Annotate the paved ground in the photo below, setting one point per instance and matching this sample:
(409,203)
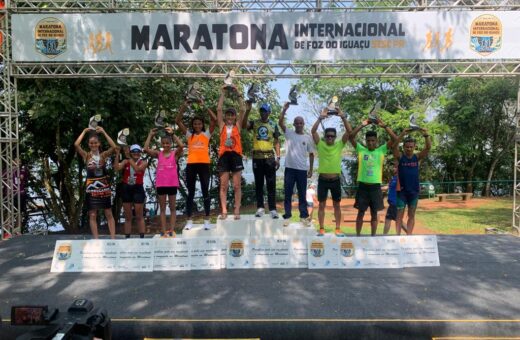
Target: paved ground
(475,291)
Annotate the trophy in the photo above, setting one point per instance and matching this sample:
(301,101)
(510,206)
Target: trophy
(252,93)
(160,119)
(94,122)
(121,136)
(193,94)
(228,80)
(372,116)
(332,106)
(293,95)
(413,123)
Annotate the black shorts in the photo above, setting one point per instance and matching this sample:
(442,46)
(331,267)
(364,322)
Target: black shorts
(96,203)
(230,161)
(391,212)
(326,184)
(133,193)
(170,191)
(369,195)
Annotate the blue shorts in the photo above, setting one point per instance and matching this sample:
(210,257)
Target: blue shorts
(404,199)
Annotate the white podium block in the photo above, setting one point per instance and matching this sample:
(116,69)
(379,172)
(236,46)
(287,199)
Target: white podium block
(267,227)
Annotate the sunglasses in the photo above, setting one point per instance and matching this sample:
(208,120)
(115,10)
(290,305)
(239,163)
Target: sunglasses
(330,136)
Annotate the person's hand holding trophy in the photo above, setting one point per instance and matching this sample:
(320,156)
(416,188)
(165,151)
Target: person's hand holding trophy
(94,121)
(293,95)
(331,107)
(122,135)
(372,116)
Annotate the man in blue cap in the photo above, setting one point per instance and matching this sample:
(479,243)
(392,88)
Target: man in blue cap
(266,158)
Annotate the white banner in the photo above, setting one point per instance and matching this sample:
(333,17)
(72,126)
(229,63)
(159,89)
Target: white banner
(266,36)
(203,253)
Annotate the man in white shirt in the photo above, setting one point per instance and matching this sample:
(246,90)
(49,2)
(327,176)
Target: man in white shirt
(298,147)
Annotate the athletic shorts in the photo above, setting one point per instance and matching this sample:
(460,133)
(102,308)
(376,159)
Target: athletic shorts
(369,195)
(391,212)
(326,184)
(170,191)
(409,199)
(133,193)
(310,204)
(230,161)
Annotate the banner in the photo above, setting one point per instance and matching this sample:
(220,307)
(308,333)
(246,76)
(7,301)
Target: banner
(425,35)
(204,253)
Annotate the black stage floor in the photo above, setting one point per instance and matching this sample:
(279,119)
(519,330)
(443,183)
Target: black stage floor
(475,292)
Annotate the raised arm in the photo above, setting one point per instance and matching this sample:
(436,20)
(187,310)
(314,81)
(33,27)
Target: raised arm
(281,120)
(150,152)
(212,120)
(220,105)
(113,145)
(428,146)
(119,165)
(395,147)
(178,118)
(180,146)
(77,143)
(243,111)
(354,133)
(348,128)
(393,136)
(314,130)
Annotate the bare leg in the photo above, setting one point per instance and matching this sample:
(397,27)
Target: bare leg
(162,215)
(399,221)
(127,207)
(321,213)
(139,217)
(172,199)
(111,223)
(411,220)
(374,220)
(359,222)
(224,184)
(237,188)
(388,223)
(337,213)
(92,221)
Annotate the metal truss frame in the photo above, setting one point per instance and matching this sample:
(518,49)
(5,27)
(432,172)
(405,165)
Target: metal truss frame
(11,71)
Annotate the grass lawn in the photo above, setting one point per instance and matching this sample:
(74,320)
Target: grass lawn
(495,213)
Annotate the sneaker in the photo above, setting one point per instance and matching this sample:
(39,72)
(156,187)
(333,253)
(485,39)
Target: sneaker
(321,232)
(286,222)
(260,212)
(306,221)
(189,225)
(208,226)
(274,214)
(339,233)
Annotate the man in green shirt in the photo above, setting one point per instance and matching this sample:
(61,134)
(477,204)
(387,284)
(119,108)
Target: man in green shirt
(329,168)
(370,174)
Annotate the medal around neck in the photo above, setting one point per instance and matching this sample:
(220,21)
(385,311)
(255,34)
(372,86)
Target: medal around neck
(94,121)
(252,93)
(293,95)
(372,116)
(122,135)
(332,108)
(413,122)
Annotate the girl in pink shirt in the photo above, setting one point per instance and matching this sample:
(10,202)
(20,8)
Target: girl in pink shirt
(167,178)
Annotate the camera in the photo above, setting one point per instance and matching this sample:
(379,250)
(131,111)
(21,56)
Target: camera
(81,321)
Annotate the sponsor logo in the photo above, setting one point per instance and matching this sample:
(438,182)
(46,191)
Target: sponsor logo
(50,37)
(317,249)
(486,34)
(347,249)
(64,252)
(236,248)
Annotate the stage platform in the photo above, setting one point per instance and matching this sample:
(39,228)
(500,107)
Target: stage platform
(474,292)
